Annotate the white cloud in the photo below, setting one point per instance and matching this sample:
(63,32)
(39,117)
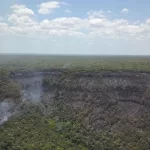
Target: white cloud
(72,23)
(95,24)
(24,25)
(27,30)
(21,20)
(106,23)
(124,11)
(16,30)
(68,11)
(148,21)
(96,14)
(21,10)
(21,17)
(119,22)
(98,22)
(129,29)
(3,28)
(55,32)
(114,28)
(48,7)
(66,4)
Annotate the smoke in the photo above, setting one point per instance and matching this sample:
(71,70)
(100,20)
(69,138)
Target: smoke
(66,65)
(31,93)
(5,111)
(32,88)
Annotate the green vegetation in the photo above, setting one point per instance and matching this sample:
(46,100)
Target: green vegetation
(8,88)
(63,131)
(75,63)
(80,113)
(37,132)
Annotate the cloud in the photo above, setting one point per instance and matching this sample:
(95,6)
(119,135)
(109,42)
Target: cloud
(106,23)
(96,14)
(97,27)
(21,16)
(66,4)
(3,28)
(21,10)
(96,24)
(63,26)
(124,11)
(105,27)
(48,7)
(68,11)
(72,23)
(21,20)
(55,32)
(148,21)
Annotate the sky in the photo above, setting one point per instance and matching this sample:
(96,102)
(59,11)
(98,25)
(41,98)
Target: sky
(87,27)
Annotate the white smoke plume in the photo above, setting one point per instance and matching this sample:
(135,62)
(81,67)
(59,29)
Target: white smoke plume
(32,88)
(5,111)
(66,65)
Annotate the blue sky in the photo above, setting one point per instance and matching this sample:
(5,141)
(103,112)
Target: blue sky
(97,27)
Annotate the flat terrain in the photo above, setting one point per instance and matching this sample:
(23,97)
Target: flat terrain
(41,62)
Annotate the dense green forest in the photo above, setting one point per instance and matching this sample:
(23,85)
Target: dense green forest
(74,63)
